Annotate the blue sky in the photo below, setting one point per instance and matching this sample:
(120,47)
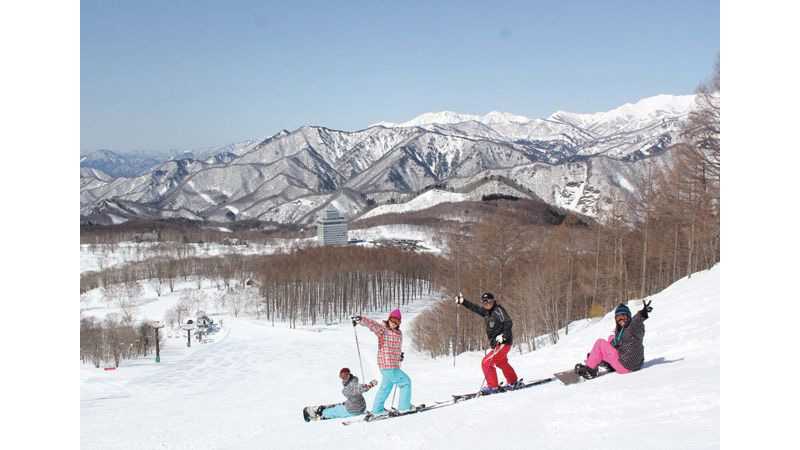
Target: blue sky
(160,75)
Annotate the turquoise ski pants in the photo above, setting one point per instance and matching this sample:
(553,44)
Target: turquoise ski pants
(390,378)
(336,412)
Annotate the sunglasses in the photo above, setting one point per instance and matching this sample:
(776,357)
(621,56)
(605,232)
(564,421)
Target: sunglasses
(394,321)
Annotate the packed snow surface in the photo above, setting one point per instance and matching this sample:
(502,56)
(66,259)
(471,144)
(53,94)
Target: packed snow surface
(425,200)
(246,389)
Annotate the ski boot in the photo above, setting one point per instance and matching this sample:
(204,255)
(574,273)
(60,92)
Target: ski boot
(393,412)
(585,371)
(487,390)
(311,413)
(516,385)
(370,415)
(605,368)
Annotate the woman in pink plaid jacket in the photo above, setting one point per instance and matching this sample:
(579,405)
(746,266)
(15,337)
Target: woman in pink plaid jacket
(390,345)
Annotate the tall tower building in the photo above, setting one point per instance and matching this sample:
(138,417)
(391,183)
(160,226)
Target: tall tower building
(332,227)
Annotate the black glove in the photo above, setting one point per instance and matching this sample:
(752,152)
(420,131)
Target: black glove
(646,308)
(355,319)
(402,355)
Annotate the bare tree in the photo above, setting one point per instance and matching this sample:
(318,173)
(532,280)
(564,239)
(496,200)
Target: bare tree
(239,300)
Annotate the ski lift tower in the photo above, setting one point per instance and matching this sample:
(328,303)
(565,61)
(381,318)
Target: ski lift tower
(157,325)
(188,326)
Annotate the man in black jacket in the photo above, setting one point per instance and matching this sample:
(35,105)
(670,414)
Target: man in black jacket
(498,329)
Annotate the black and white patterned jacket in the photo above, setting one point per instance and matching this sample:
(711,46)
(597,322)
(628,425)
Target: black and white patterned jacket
(631,345)
(497,322)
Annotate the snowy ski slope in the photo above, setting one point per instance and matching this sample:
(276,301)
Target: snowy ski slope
(425,200)
(245,390)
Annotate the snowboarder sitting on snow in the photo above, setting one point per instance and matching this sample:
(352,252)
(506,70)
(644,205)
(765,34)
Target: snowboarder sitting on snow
(355,403)
(390,344)
(498,329)
(623,351)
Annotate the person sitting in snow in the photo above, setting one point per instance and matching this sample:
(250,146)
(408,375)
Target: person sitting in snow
(390,344)
(498,329)
(353,392)
(623,351)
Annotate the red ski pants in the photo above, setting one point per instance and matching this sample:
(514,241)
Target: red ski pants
(498,358)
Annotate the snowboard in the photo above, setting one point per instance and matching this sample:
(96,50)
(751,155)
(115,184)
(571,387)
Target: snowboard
(569,377)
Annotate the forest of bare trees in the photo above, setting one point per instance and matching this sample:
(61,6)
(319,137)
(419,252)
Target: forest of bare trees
(548,276)
(110,341)
(305,286)
(323,283)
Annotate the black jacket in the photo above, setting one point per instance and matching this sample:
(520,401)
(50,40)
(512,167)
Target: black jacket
(630,347)
(497,321)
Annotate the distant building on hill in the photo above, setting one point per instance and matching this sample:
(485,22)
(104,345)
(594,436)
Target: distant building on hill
(332,227)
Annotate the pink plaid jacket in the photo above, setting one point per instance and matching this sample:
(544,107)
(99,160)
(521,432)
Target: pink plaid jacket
(390,343)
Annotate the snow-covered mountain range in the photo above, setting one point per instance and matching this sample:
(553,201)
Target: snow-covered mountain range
(117,164)
(571,160)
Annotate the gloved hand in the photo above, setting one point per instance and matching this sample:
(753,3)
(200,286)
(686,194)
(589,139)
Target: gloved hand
(500,339)
(646,308)
(373,383)
(402,355)
(355,319)
(459,299)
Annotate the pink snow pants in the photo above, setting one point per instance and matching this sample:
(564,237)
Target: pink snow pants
(604,351)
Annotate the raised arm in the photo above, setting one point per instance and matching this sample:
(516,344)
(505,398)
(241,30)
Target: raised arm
(636,328)
(637,322)
(353,389)
(473,307)
(374,326)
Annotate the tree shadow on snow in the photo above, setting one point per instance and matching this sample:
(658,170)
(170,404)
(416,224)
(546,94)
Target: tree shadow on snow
(661,360)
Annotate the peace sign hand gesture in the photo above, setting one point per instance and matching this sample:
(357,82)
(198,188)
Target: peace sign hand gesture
(646,308)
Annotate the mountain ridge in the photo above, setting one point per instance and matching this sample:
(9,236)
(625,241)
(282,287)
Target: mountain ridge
(262,180)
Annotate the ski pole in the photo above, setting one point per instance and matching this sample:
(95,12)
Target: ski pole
(484,377)
(458,327)
(482,383)
(455,345)
(358,347)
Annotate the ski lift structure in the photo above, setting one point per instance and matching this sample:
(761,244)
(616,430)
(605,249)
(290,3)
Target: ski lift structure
(157,325)
(189,326)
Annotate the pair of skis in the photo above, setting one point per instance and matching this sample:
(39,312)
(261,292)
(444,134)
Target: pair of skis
(566,377)
(455,399)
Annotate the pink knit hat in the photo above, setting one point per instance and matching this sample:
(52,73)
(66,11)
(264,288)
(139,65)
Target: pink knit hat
(395,314)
